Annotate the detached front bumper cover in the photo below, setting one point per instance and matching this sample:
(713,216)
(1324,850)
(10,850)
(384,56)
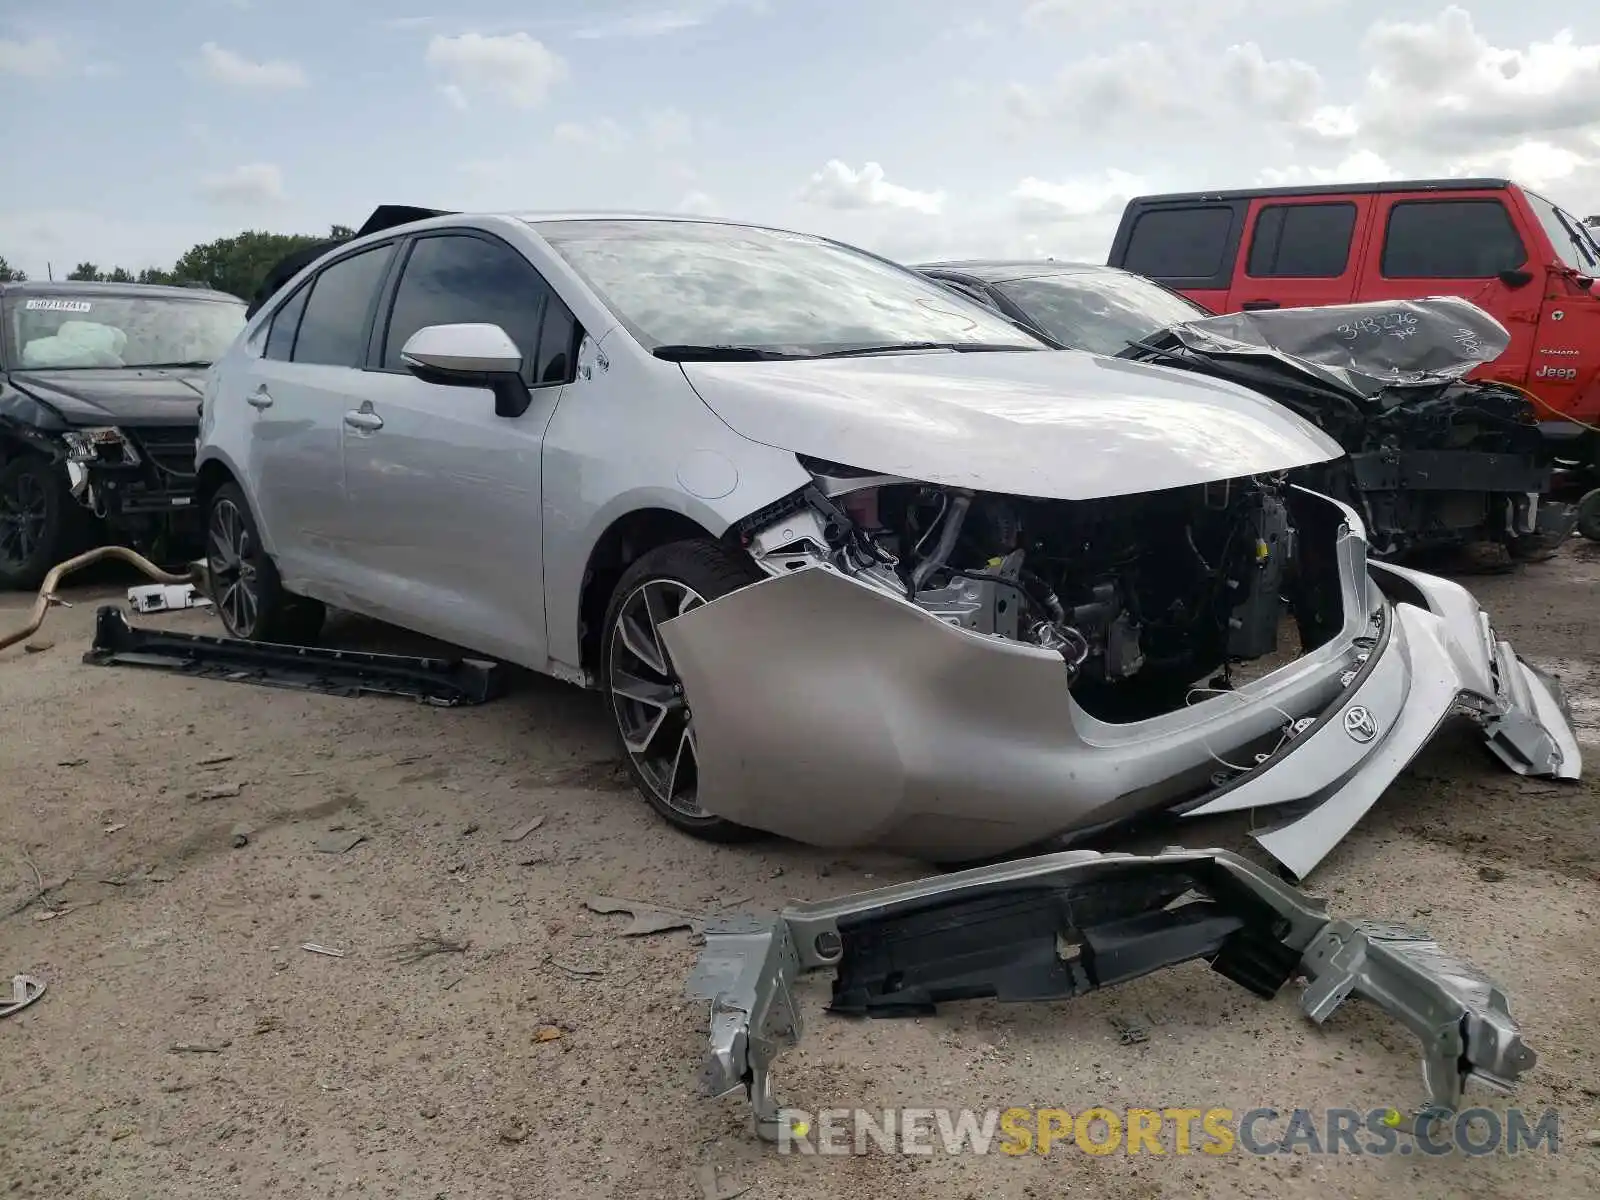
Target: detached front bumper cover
(1060,925)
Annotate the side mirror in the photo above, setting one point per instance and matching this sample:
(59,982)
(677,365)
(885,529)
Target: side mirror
(1516,279)
(470,355)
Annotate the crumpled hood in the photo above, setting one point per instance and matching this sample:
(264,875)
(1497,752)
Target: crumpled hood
(117,396)
(1059,425)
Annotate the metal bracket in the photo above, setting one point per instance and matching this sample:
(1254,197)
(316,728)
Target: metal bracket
(441,681)
(747,971)
(1060,925)
(1460,1015)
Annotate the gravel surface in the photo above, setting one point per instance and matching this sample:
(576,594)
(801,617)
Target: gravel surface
(189,1046)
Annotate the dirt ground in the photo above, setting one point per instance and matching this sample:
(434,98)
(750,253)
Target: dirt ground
(189,1046)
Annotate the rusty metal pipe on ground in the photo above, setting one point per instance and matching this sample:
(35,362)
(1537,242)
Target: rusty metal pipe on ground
(47,590)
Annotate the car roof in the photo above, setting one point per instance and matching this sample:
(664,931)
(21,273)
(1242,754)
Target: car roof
(1334,189)
(999,270)
(80,287)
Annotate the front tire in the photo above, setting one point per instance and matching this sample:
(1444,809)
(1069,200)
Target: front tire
(643,692)
(245,586)
(40,523)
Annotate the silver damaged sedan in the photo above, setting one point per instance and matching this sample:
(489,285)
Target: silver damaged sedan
(853,560)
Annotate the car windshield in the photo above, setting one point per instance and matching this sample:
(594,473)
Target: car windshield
(1099,311)
(91,329)
(1572,242)
(685,284)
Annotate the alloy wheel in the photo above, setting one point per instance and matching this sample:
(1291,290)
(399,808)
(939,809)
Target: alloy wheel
(647,696)
(230,558)
(24,513)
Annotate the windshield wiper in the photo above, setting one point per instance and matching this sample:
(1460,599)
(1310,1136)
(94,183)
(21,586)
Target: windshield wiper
(168,365)
(893,347)
(687,353)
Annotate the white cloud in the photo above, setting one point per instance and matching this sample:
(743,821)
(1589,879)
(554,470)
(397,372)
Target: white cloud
(669,129)
(513,66)
(36,58)
(1441,85)
(454,97)
(658,22)
(250,185)
(1140,83)
(1362,166)
(1039,202)
(602,135)
(1284,89)
(1438,98)
(642,24)
(224,66)
(699,204)
(837,185)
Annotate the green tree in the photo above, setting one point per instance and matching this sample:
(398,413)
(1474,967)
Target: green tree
(239,264)
(119,275)
(10,274)
(85,272)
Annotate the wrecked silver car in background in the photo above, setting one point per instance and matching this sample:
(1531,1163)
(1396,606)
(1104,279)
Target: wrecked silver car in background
(1434,460)
(969,646)
(1061,925)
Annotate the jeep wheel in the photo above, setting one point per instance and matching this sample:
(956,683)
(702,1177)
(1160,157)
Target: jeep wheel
(643,692)
(244,582)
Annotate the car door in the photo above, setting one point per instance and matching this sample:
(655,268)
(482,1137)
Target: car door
(299,391)
(1465,244)
(1300,252)
(444,493)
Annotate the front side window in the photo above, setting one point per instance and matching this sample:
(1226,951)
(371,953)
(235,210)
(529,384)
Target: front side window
(458,279)
(1450,239)
(333,331)
(1099,311)
(90,329)
(710,285)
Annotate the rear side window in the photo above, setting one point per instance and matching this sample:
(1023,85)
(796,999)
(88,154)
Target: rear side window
(1179,243)
(1450,239)
(333,330)
(285,324)
(1302,241)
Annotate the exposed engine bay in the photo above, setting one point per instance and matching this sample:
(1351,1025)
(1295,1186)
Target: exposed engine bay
(1144,596)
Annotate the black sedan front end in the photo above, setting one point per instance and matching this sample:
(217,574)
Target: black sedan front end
(100,389)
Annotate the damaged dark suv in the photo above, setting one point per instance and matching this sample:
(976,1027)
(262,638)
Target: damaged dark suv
(99,411)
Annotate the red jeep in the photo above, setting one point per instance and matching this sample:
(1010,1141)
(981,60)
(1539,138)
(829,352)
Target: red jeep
(1508,250)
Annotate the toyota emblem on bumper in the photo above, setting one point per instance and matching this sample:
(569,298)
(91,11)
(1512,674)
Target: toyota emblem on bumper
(1358,723)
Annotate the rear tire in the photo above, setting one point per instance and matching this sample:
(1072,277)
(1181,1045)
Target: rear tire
(1589,516)
(40,522)
(1535,547)
(245,585)
(644,695)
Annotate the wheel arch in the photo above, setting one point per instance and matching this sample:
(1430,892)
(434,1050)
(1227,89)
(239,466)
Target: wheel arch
(624,542)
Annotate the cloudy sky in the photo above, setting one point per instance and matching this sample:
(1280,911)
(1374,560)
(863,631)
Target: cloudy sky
(916,127)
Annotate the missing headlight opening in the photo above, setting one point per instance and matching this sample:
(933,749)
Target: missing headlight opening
(1149,598)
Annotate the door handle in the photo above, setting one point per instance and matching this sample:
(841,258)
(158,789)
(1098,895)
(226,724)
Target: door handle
(363,419)
(1257,305)
(260,398)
